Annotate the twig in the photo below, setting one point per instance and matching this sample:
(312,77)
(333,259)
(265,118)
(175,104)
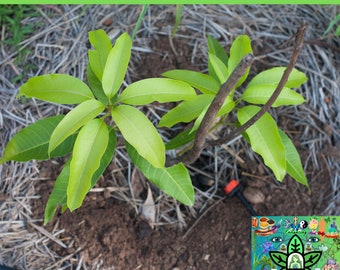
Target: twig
(297,49)
(213,109)
(200,217)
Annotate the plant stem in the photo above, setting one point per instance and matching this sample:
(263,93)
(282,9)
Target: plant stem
(297,49)
(216,104)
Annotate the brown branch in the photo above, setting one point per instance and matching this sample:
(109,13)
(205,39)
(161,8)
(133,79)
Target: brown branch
(297,49)
(214,107)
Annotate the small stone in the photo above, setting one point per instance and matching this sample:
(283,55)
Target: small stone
(253,195)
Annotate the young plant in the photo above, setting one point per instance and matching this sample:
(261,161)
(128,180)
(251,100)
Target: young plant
(218,98)
(88,131)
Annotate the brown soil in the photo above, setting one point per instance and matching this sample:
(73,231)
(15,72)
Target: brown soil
(219,238)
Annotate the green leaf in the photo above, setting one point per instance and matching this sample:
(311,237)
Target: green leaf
(96,86)
(32,142)
(59,192)
(240,48)
(138,131)
(57,88)
(58,195)
(88,150)
(139,21)
(177,19)
(293,162)
(274,75)
(74,120)
(219,68)
(337,31)
(156,89)
(278,258)
(203,82)
(295,244)
(311,258)
(107,157)
(227,106)
(215,48)
(332,23)
(186,111)
(174,181)
(116,65)
(259,94)
(181,139)
(265,140)
(97,58)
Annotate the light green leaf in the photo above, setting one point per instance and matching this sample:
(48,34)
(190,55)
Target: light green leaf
(265,140)
(32,142)
(295,244)
(219,68)
(186,111)
(116,65)
(274,75)
(215,48)
(259,94)
(74,120)
(59,192)
(175,180)
(58,195)
(96,86)
(156,89)
(311,258)
(107,157)
(199,119)
(181,139)
(88,150)
(294,166)
(97,58)
(240,48)
(138,131)
(177,19)
(331,24)
(203,82)
(227,106)
(57,88)
(139,21)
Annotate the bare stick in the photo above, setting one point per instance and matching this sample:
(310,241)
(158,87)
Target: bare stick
(213,109)
(297,49)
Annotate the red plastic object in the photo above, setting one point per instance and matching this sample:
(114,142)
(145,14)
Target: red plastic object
(231,186)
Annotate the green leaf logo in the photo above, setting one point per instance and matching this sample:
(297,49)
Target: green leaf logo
(295,257)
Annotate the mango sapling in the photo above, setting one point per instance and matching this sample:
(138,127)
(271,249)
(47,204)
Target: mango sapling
(87,134)
(84,133)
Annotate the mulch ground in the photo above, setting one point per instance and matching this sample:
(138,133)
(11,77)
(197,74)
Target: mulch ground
(108,231)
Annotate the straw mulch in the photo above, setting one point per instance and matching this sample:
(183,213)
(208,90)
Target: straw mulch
(59,45)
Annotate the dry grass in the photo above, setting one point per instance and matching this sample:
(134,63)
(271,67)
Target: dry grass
(60,45)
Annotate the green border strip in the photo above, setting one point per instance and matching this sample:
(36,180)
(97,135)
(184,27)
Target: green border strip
(139,2)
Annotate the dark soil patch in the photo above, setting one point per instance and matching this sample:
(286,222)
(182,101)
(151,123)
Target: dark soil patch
(110,230)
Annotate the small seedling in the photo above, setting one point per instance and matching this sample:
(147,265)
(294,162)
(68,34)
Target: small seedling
(87,134)
(89,130)
(11,17)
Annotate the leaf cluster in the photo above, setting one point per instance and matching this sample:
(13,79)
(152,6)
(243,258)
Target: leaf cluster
(105,109)
(265,137)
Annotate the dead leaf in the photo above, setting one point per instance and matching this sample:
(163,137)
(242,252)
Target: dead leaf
(137,182)
(149,209)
